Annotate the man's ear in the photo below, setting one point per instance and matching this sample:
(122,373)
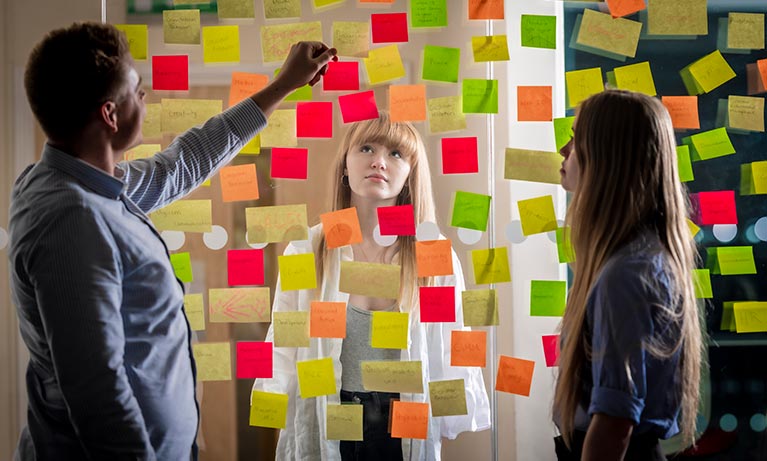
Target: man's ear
(108,114)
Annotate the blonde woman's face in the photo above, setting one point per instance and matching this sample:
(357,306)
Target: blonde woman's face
(376,172)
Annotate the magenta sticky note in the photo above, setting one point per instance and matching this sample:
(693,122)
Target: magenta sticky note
(289,162)
(396,220)
(245,267)
(437,304)
(551,349)
(170,72)
(459,155)
(342,76)
(389,27)
(358,106)
(314,119)
(254,359)
(715,207)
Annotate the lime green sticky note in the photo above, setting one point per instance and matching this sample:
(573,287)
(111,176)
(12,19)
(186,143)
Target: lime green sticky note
(302,94)
(583,83)
(480,96)
(728,319)
(684,163)
(635,77)
(182,266)
(747,186)
(297,272)
(470,210)
(220,44)
(321,3)
(548,298)
(565,251)
(750,317)
(388,330)
(537,215)
(252,147)
(384,64)
(441,63)
(428,13)
(539,31)
(709,144)
(711,71)
(490,48)
(563,131)
(480,308)
(736,260)
(138,39)
(490,265)
(759,176)
(268,409)
(194,310)
(316,378)
(702,280)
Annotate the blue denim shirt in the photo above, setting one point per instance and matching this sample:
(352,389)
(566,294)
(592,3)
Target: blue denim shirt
(111,373)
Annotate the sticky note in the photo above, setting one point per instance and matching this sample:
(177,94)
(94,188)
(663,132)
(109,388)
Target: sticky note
(396,220)
(152,126)
(221,44)
(702,281)
(142,151)
(735,260)
(407,103)
(746,113)
(563,131)
(410,420)
(344,422)
(434,257)
(709,144)
(280,129)
(356,107)
(181,27)
(314,119)
(388,330)
(445,114)
(486,9)
(677,17)
(490,48)
(182,266)
(715,207)
(370,279)
(239,183)
(490,265)
(428,13)
(351,38)
(514,375)
(441,63)
(324,3)
(277,39)
(138,39)
(342,76)
(539,31)
(178,115)
(537,215)
(683,111)
(236,9)
(184,216)
(316,378)
(282,223)
(238,305)
(389,27)
(479,96)
(709,72)
(693,228)
(534,104)
(289,162)
(448,398)
(636,77)
(291,329)
(603,32)
(470,210)
(245,267)
(254,359)
(684,163)
(728,317)
(278,9)
(297,272)
(437,304)
(268,409)
(468,348)
(532,165)
(619,8)
(341,227)
(565,251)
(745,31)
(195,311)
(392,376)
(244,85)
(551,349)
(170,72)
(583,83)
(750,317)
(327,319)
(384,65)
(548,298)
(459,155)
(480,308)
(759,177)
(213,360)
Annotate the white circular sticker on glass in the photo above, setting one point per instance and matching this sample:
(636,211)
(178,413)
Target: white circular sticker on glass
(427,230)
(173,239)
(760,228)
(469,236)
(383,240)
(514,232)
(256,246)
(725,232)
(216,239)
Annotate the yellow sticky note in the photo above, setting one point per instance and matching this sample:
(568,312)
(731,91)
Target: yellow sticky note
(677,17)
(297,272)
(532,165)
(184,216)
(490,48)
(178,115)
(152,126)
(759,176)
(392,376)
(537,215)
(277,9)
(448,398)
(316,377)
(583,83)
(142,151)
(195,311)
(636,77)
(446,114)
(351,39)
(711,71)
(138,39)
(491,265)
(236,9)
(614,35)
(181,27)
(268,409)
(750,317)
(291,329)
(694,229)
(282,223)
(277,39)
(745,31)
(702,281)
(220,44)
(344,422)
(746,112)
(252,147)
(280,129)
(370,279)
(214,361)
(389,330)
(384,64)
(480,308)
(239,305)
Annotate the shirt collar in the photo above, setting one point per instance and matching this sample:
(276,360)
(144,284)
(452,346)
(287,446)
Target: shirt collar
(92,177)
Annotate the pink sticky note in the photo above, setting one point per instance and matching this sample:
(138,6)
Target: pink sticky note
(715,207)
(289,162)
(170,72)
(389,27)
(358,106)
(342,76)
(396,220)
(245,267)
(459,155)
(314,119)
(437,304)
(551,349)
(254,359)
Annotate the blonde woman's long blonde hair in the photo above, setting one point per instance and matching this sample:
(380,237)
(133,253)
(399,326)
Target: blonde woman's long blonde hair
(404,137)
(625,146)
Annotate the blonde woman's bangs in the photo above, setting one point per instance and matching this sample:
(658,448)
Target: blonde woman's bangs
(395,136)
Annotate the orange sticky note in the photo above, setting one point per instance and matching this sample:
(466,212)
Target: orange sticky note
(407,103)
(514,375)
(341,227)
(468,348)
(434,257)
(762,65)
(683,111)
(534,104)
(410,420)
(239,182)
(485,9)
(620,8)
(327,320)
(244,85)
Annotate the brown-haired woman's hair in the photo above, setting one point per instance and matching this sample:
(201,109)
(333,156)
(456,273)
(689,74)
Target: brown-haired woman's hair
(629,183)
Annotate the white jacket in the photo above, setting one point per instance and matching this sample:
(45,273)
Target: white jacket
(304,438)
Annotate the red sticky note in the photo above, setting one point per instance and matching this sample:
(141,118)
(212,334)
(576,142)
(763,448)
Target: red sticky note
(342,76)
(715,207)
(459,155)
(254,359)
(289,162)
(468,348)
(396,220)
(437,304)
(314,119)
(534,104)
(620,8)
(409,420)
(551,349)
(245,267)
(358,106)
(515,375)
(389,27)
(170,72)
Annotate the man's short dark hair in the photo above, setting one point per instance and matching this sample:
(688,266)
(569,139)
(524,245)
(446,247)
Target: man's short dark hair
(71,72)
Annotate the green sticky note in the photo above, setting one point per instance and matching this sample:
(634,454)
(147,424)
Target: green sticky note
(182,266)
(301,94)
(684,163)
(539,31)
(728,319)
(709,144)
(388,330)
(480,96)
(297,272)
(737,260)
(428,13)
(563,131)
(565,251)
(138,39)
(441,63)
(747,186)
(537,215)
(548,298)
(316,378)
(702,280)
(321,3)
(480,308)
(470,210)
(491,265)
